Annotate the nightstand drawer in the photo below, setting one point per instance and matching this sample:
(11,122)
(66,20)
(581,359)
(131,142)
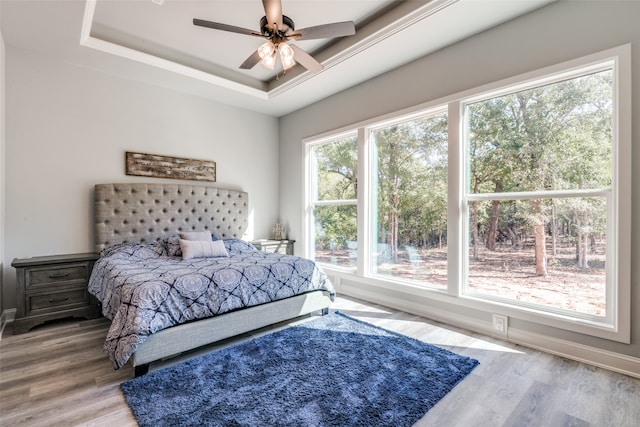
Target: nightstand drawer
(54,301)
(50,275)
(53,287)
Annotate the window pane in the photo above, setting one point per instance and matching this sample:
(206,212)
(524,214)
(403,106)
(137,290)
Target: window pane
(336,169)
(552,137)
(336,235)
(549,252)
(409,226)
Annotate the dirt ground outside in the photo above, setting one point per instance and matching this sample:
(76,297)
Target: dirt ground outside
(505,273)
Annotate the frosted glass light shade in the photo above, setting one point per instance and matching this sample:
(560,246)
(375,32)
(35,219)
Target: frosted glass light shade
(286,56)
(266,50)
(269,61)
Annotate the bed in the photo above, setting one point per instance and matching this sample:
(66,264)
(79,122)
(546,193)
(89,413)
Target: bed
(163,302)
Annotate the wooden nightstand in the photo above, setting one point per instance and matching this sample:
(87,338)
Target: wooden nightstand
(53,287)
(278,246)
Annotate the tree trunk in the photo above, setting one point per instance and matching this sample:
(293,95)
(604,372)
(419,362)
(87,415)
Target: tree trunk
(393,234)
(393,224)
(513,236)
(493,225)
(580,252)
(474,223)
(585,241)
(493,222)
(582,239)
(554,232)
(541,249)
(393,200)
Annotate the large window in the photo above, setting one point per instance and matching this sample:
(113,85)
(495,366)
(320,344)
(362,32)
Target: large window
(511,198)
(409,209)
(538,191)
(333,200)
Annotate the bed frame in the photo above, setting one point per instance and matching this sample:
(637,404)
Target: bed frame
(139,212)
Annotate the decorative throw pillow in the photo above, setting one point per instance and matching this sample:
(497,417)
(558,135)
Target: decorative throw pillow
(173,246)
(202,249)
(195,235)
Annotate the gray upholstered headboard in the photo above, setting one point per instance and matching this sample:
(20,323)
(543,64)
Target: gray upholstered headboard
(150,212)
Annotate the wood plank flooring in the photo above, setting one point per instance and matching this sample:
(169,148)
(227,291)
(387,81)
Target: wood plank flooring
(57,375)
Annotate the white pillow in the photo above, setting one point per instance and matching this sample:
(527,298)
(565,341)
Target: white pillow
(202,249)
(195,235)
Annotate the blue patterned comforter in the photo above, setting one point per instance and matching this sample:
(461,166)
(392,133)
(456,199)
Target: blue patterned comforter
(144,290)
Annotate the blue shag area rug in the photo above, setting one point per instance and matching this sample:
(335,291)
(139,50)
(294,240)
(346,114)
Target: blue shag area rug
(332,370)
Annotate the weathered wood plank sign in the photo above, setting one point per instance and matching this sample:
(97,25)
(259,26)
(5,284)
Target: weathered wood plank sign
(153,165)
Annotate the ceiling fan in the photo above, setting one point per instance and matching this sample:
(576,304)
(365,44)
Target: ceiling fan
(279,29)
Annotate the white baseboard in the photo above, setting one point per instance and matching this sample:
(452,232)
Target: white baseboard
(612,361)
(6,318)
(616,362)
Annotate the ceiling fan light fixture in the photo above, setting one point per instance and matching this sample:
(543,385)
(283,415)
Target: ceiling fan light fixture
(278,29)
(267,50)
(287,63)
(269,61)
(286,55)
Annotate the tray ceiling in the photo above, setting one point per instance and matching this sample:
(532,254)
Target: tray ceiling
(155,41)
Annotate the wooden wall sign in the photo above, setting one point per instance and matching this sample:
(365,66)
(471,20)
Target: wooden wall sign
(156,166)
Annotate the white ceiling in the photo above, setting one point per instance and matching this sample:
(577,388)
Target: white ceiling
(158,43)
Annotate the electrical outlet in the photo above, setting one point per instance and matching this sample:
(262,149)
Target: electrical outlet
(500,324)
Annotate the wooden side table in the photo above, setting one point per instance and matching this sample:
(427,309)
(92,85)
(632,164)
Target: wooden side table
(278,246)
(53,287)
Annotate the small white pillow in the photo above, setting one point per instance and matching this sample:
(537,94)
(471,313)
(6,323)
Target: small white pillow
(195,235)
(202,249)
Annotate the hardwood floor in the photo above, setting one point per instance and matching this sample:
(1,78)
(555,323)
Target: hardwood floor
(57,375)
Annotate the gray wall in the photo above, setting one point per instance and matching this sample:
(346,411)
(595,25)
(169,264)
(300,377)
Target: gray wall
(553,34)
(68,129)
(2,167)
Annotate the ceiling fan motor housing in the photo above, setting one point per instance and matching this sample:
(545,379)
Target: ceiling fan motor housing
(287,25)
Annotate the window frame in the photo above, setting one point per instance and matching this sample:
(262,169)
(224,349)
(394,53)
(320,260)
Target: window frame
(617,322)
(311,203)
(617,325)
(370,186)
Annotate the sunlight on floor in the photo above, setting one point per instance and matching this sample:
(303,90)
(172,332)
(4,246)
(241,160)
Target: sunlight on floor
(431,332)
(482,344)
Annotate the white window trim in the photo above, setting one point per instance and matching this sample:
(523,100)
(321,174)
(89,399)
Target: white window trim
(365,233)
(310,202)
(616,324)
(618,328)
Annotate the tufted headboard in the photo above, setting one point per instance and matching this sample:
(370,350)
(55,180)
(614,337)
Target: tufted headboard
(150,212)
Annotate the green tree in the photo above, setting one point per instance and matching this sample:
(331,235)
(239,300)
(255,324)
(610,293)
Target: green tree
(336,179)
(411,157)
(556,136)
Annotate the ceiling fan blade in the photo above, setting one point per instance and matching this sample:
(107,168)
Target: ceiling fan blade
(225,27)
(273,12)
(306,60)
(251,61)
(337,29)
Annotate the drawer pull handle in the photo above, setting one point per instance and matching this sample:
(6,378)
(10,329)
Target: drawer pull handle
(57,275)
(58,299)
